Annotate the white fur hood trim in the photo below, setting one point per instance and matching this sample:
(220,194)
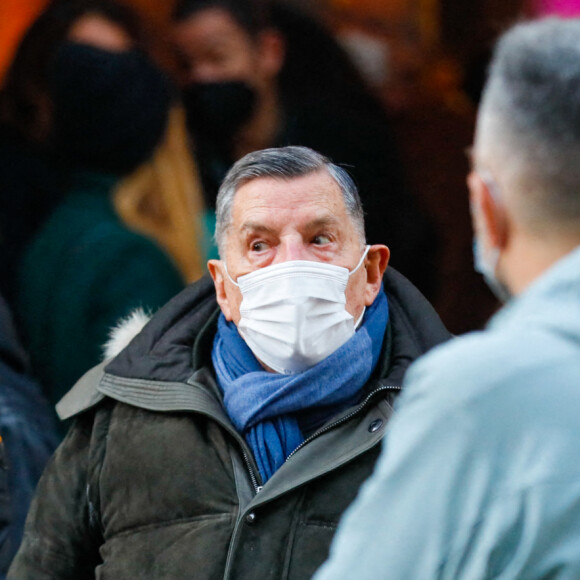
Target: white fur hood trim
(124,332)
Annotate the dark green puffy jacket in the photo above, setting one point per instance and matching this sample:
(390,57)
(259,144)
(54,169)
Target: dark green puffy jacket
(153,481)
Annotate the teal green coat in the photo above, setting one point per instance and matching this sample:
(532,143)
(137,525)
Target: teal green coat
(83,272)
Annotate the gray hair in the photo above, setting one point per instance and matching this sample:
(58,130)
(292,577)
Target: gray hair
(283,163)
(528,132)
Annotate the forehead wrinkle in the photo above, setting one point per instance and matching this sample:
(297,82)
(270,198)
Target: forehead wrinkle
(252,226)
(329,220)
(255,209)
(324,221)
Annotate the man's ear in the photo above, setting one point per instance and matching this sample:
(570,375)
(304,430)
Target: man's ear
(215,269)
(272,51)
(488,213)
(376,263)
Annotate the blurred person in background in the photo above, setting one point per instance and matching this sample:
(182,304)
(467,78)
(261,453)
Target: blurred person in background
(127,230)
(479,475)
(32,178)
(259,74)
(28,436)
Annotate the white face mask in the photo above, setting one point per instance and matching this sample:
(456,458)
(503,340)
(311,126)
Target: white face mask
(293,314)
(487,265)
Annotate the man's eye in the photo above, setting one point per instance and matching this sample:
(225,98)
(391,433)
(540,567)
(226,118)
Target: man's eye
(321,239)
(258,246)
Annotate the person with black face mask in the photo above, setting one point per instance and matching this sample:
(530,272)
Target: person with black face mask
(217,110)
(84,269)
(110,108)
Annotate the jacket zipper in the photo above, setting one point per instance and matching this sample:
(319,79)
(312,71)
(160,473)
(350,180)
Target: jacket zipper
(230,429)
(254,480)
(345,418)
(324,429)
(233,542)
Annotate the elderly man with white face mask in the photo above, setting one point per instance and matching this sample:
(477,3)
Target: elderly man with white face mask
(226,440)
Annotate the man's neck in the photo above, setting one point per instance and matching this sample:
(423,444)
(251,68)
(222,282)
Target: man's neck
(529,256)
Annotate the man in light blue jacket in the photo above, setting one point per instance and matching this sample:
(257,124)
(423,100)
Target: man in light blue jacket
(480,471)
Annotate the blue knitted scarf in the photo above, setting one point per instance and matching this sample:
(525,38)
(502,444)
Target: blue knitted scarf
(263,406)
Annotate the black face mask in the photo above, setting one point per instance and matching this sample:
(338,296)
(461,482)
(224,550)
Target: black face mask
(216,111)
(110,108)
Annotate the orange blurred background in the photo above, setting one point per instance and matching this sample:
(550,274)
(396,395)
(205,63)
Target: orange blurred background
(15,17)
(413,29)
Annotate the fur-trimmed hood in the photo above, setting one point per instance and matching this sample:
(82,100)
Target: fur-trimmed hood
(124,332)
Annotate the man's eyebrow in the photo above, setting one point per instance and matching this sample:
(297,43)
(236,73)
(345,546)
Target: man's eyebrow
(250,226)
(322,222)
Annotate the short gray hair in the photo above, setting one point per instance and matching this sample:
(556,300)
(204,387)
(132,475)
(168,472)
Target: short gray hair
(529,120)
(283,163)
